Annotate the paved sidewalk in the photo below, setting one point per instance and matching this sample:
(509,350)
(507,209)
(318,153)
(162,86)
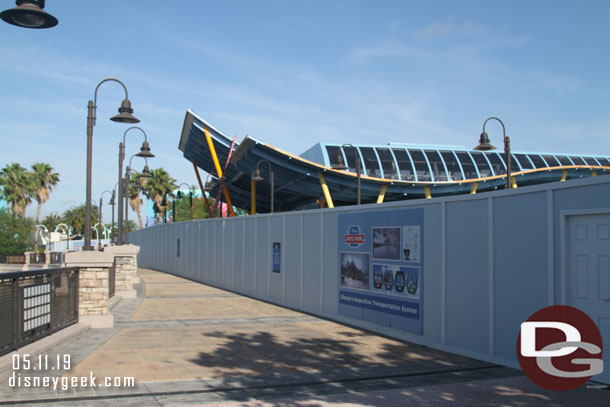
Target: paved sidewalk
(186,343)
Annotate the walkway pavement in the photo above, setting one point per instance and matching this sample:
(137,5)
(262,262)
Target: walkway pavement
(187,343)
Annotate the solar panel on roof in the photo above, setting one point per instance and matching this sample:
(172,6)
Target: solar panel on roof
(404,164)
(537,160)
(564,160)
(387,163)
(421,166)
(525,163)
(470,171)
(452,165)
(577,160)
(482,164)
(438,169)
(551,161)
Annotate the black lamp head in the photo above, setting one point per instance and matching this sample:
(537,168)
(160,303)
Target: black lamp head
(484,144)
(125,114)
(145,151)
(29,14)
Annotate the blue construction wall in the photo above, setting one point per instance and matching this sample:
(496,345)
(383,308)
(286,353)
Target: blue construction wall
(491,260)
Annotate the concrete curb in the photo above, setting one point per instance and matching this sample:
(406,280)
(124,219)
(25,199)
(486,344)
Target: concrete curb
(40,346)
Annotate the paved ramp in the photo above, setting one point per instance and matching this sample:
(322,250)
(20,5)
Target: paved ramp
(186,343)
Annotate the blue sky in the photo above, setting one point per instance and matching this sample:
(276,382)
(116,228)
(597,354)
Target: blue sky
(295,73)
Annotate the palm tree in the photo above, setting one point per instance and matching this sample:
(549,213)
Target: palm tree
(17,188)
(43,180)
(75,218)
(51,221)
(158,187)
(134,197)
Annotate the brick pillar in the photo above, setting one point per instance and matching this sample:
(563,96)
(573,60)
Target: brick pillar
(93,298)
(126,266)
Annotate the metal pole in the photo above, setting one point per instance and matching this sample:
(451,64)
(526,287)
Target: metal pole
(114,203)
(174,210)
(191,204)
(126,197)
(357,172)
(101,220)
(272,184)
(508,161)
(120,201)
(90,119)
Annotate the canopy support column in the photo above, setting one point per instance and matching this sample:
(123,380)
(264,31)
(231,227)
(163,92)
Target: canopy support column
(218,170)
(328,198)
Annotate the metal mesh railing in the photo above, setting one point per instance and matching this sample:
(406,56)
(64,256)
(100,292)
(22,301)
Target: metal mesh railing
(12,259)
(37,258)
(35,304)
(56,258)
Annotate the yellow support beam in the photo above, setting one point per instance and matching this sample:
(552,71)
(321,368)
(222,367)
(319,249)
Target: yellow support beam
(218,170)
(253,197)
(382,192)
(564,175)
(427,192)
(473,188)
(593,174)
(205,198)
(328,198)
(513,182)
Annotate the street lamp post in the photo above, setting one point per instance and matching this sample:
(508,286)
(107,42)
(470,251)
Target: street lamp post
(257,177)
(124,116)
(145,153)
(142,178)
(29,14)
(113,203)
(341,165)
(190,200)
(101,203)
(484,145)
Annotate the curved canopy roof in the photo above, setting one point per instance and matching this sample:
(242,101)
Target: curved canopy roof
(396,170)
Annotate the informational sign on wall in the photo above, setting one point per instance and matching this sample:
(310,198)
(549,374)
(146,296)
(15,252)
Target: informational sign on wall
(277,257)
(381,267)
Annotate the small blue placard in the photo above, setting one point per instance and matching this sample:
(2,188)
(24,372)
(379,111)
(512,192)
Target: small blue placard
(178,248)
(277,257)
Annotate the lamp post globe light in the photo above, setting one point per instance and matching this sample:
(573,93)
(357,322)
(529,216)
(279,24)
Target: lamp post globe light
(124,116)
(257,177)
(29,14)
(145,153)
(340,165)
(485,145)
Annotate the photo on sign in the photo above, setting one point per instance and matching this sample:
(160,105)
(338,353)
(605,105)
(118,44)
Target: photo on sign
(386,243)
(386,280)
(355,270)
(411,243)
(411,276)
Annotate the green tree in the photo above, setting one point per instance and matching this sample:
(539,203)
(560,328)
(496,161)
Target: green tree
(159,189)
(75,218)
(14,233)
(17,188)
(135,201)
(43,180)
(183,206)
